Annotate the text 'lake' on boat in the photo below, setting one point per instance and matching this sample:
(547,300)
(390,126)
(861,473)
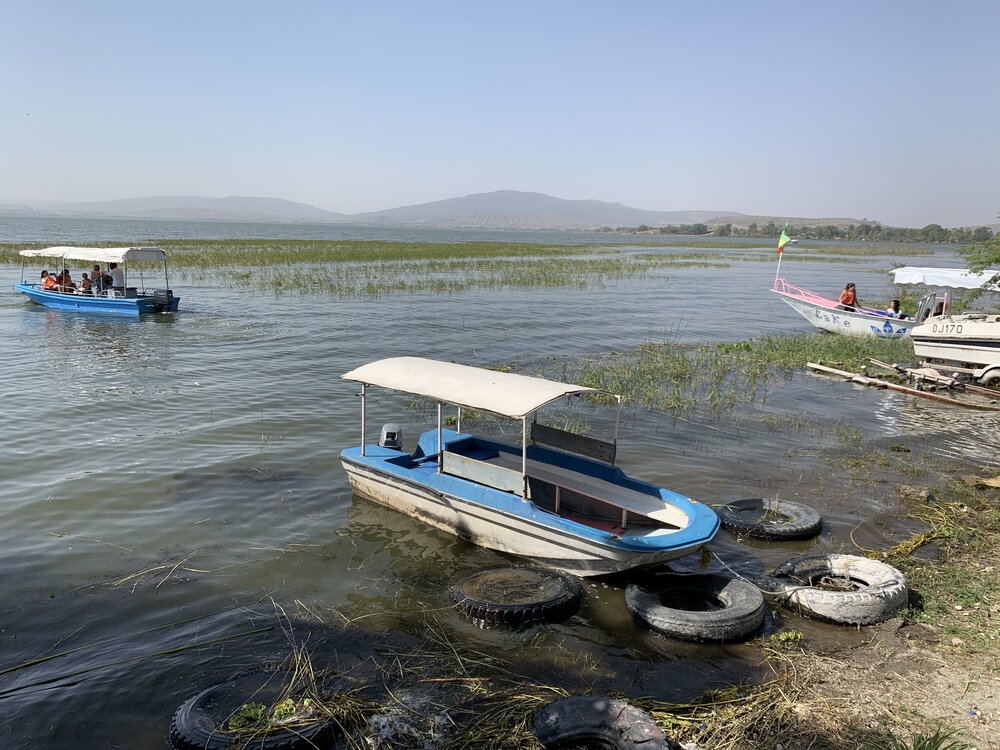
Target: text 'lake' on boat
(128,296)
(557,499)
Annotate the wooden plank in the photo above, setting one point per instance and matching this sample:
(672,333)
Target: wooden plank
(855,378)
(498,477)
(569,441)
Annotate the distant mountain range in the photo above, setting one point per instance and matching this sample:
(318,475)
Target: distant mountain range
(501,209)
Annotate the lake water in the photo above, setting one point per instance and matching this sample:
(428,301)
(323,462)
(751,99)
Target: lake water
(168,482)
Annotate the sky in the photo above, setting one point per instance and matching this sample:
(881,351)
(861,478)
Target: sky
(884,110)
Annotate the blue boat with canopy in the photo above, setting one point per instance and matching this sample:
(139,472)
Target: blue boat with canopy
(132,296)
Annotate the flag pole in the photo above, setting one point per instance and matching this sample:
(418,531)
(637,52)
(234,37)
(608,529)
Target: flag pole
(781,248)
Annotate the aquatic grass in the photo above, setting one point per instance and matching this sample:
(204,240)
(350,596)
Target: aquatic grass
(669,375)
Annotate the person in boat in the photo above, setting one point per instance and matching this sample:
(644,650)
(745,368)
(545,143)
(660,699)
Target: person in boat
(117,277)
(49,283)
(66,283)
(85,284)
(849,297)
(893,310)
(98,278)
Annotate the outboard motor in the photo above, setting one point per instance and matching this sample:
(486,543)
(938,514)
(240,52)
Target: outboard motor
(163,299)
(392,436)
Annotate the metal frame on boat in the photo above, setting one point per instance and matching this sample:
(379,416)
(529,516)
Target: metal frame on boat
(557,499)
(124,300)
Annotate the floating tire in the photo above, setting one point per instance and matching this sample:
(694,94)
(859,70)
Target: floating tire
(770,519)
(844,589)
(200,722)
(588,721)
(699,607)
(515,597)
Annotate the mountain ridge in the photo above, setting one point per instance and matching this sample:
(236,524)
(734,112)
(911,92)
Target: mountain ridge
(498,209)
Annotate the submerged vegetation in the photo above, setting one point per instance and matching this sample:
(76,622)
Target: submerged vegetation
(666,375)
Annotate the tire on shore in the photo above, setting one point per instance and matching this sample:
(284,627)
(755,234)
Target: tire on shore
(770,519)
(517,596)
(844,589)
(699,607)
(592,721)
(200,722)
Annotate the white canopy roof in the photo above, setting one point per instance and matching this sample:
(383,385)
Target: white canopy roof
(956,277)
(98,254)
(502,393)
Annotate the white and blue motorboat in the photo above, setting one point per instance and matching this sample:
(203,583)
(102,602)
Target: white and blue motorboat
(557,499)
(132,297)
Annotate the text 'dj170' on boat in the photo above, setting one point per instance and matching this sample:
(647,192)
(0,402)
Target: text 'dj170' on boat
(120,290)
(557,499)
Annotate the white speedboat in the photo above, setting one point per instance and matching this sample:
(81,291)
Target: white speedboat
(557,498)
(967,342)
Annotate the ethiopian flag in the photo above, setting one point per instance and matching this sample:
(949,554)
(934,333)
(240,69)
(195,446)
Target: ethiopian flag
(782,241)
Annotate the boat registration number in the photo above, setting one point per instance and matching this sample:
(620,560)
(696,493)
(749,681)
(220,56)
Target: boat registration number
(946,327)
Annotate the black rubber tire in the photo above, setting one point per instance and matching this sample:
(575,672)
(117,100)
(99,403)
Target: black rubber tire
(699,607)
(595,722)
(877,591)
(515,597)
(198,723)
(796,521)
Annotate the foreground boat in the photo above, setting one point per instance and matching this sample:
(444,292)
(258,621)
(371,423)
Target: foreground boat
(967,342)
(557,499)
(123,300)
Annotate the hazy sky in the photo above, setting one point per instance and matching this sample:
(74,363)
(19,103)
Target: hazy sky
(867,109)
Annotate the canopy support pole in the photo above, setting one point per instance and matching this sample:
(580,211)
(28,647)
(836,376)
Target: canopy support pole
(362,394)
(524,457)
(458,423)
(618,416)
(440,443)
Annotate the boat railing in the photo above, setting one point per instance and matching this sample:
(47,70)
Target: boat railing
(790,290)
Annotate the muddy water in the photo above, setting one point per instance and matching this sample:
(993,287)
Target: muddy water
(169,482)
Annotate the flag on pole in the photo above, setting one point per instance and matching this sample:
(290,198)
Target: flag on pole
(782,241)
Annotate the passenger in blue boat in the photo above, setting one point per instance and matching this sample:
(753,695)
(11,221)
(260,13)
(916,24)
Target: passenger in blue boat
(49,283)
(117,276)
(66,283)
(85,285)
(98,279)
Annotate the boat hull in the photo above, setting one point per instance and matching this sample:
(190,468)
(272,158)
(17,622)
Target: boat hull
(133,306)
(504,522)
(848,323)
(971,340)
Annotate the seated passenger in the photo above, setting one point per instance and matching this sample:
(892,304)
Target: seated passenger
(893,310)
(66,282)
(99,279)
(849,298)
(49,283)
(117,277)
(85,284)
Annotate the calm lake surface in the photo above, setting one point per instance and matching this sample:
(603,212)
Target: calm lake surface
(169,482)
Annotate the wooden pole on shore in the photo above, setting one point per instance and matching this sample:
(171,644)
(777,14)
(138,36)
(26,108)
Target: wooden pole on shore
(878,383)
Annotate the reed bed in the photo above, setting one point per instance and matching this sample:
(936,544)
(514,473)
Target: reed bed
(669,375)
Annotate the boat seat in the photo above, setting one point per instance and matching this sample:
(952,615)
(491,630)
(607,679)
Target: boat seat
(641,503)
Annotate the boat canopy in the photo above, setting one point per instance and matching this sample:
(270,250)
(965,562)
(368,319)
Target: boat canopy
(502,393)
(98,254)
(962,278)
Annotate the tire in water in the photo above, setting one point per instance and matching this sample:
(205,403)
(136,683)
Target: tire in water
(770,519)
(517,596)
(699,607)
(200,722)
(844,589)
(591,721)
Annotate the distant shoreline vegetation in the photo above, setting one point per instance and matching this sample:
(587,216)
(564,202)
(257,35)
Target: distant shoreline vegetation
(853,232)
